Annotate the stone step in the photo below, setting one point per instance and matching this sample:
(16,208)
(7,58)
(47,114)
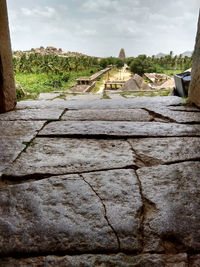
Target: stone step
(119,129)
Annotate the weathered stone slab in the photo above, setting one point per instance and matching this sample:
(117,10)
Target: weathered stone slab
(120,193)
(98,128)
(107,115)
(32,114)
(58,214)
(172,202)
(62,156)
(154,151)
(113,96)
(177,116)
(13,136)
(20,130)
(87,96)
(139,102)
(88,260)
(185,108)
(10,149)
(48,96)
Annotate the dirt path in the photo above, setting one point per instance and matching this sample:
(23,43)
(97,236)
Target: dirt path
(122,75)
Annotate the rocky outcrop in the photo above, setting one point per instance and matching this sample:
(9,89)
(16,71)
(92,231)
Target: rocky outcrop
(194,89)
(48,51)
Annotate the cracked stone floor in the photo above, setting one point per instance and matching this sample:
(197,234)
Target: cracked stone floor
(100,183)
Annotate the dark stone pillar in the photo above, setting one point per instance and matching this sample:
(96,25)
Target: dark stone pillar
(7,85)
(194,90)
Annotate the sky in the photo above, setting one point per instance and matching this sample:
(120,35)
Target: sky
(102,27)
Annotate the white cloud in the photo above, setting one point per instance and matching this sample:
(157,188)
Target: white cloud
(47,12)
(102,27)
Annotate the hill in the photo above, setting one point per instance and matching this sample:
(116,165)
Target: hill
(48,51)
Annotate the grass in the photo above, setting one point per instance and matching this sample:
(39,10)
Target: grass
(172,72)
(147,93)
(105,96)
(34,84)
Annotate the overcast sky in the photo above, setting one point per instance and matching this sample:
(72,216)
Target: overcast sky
(102,27)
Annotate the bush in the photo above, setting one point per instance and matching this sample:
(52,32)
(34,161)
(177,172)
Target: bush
(119,63)
(104,63)
(142,64)
(65,77)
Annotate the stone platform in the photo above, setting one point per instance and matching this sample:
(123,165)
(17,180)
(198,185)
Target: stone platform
(100,183)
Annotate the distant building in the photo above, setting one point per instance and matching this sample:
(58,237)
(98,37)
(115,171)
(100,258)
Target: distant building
(122,54)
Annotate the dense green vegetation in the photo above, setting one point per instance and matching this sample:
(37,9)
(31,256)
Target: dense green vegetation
(36,83)
(169,64)
(44,73)
(38,73)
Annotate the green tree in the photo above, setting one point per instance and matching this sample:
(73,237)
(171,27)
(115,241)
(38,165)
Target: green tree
(119,63)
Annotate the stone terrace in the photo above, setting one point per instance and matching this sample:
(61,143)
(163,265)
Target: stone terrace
(100,183)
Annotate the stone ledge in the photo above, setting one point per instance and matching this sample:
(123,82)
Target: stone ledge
(92,260)
(118,129)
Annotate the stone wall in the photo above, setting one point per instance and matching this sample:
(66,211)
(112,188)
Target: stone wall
(7,85)
(194,90)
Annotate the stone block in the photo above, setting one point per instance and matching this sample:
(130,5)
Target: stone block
(53,156)
(119,129)
(155,151)
(171,205)
(107,115)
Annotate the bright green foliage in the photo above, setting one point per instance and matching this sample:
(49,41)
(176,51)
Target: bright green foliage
(38,73)
(104,62)
(169,64)
(119,63)
(42,82)
(51,64)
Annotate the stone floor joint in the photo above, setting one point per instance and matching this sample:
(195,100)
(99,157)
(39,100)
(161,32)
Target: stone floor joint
(157,115)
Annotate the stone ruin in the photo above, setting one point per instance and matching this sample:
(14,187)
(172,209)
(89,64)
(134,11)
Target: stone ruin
(122,54)
(135,83)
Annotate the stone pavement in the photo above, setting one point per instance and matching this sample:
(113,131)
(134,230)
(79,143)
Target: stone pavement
(100,183)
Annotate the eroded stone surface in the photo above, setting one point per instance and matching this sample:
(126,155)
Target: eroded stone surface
(154,151)
(32,114)
(98,128)
(10,149)
(178,116)
(48,96)
(87,96)
(120,193)
(139,102)
(51,215)
(20,130)
(171,220)
(89,260)
(190,108)
(13,138)
(62,156)
(107,115)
